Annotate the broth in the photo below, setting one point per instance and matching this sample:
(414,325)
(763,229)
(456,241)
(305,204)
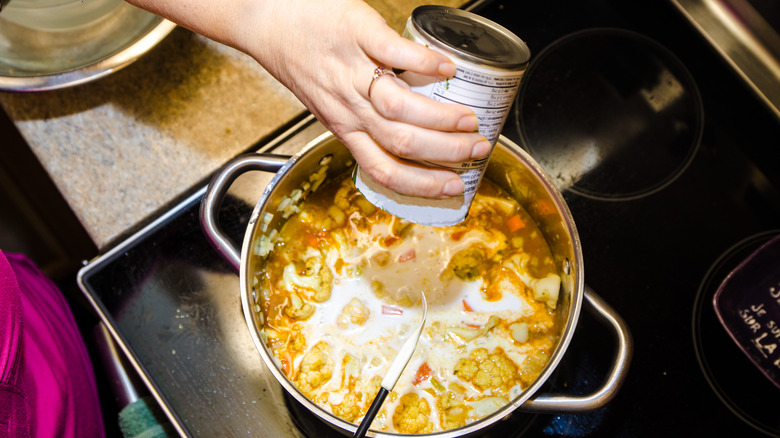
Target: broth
(338,291)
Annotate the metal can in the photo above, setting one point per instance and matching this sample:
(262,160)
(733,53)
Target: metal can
(490,61)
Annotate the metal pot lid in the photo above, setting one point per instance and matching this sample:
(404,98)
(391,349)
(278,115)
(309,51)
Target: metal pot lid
(52,44)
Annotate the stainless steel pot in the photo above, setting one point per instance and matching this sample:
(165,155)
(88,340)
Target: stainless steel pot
(512,169)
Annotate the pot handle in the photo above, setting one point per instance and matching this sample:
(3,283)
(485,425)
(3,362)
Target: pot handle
(556,403)
(215,193)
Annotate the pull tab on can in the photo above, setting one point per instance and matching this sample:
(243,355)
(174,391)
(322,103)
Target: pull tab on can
(490,63)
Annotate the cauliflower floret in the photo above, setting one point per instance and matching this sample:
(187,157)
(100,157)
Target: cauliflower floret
(354,312)
(472,251)
(356,394)
(353,404)
(297,308)
(350,408)
(532,366)
(315,278)
(336,218)
(316,368)
(466,264)
(297,341)
(341,199)
(452,411)
(346,201)
(412,415)
(488,371)
(545,290)
(364,206)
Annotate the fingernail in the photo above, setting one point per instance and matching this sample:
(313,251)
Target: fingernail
(468,123)
(453,187)
(447,69)
(480,150)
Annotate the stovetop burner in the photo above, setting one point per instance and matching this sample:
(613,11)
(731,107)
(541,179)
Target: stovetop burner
(734,379)
(610,114)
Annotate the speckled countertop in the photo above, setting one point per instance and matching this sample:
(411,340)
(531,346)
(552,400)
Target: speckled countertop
(120,149)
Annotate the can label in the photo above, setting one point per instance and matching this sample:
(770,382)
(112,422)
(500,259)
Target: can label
(489,91)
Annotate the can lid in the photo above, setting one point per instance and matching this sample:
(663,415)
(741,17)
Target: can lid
(474,37)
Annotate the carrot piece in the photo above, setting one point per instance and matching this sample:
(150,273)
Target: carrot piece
(466,307)
(545,207)
(390,240)
(286,366)
(408,255)
(423,373)
(515,223)
(312,240)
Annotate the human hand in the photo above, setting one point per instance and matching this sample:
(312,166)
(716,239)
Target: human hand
(325,52)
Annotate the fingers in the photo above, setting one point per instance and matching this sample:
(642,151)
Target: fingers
(415,143)
(388,49)
(393,100)
(402,176)
(393,126)
(415,127)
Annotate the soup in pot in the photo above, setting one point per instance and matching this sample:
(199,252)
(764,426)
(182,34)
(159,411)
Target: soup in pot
(338,290)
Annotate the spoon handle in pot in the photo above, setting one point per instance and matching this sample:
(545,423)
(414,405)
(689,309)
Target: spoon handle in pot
(371,413)
(392,375)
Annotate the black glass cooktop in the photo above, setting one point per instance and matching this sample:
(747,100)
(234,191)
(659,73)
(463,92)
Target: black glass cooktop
(666,160)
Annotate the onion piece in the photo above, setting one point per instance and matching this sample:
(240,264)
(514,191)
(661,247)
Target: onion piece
(392,310)
(471,334)
(486,406)
(519,332)
(408,255)
(546,289)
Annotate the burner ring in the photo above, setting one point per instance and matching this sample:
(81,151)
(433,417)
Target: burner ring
(610,114)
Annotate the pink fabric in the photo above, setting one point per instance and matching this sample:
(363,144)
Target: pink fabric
(47,386)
